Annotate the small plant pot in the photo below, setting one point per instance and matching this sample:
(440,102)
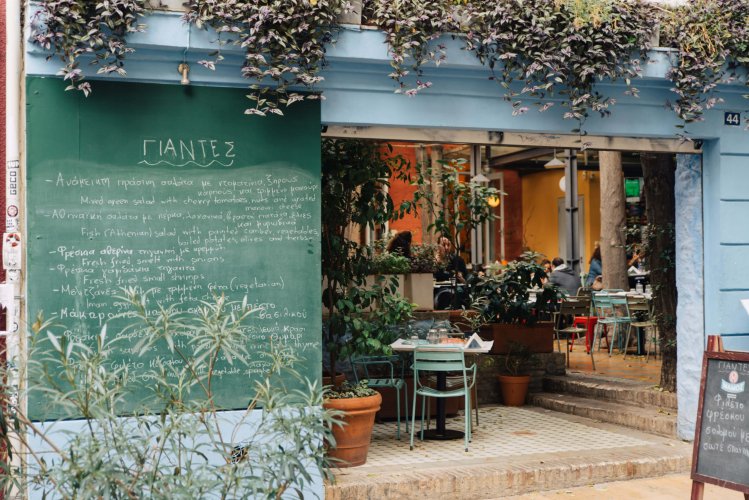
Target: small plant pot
(514,388)
(352,440)
(340,378)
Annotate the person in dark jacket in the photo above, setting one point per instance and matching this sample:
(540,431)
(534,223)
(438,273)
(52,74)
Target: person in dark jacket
(595,267)
(564,277)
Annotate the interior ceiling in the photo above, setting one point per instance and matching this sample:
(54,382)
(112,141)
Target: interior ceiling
(530,160)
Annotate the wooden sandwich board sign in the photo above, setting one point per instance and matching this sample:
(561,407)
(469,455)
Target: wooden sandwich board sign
(721,443)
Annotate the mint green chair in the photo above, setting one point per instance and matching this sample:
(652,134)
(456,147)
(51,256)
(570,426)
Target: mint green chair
(383,378)
(440,361)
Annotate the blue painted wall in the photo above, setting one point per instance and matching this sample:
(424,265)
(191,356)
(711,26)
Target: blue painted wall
(358,92)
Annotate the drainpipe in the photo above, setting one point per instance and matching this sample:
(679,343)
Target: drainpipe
(12,176)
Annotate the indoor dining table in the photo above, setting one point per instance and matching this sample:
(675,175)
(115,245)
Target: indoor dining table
(474,346)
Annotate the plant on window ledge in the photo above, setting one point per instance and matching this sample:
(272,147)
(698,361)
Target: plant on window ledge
(284,44)
(73,29)
(712,38)
(549,49)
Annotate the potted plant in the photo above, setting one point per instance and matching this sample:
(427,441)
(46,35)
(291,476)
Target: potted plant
(419,284)
(513,385)
(388,270)
(357,404)
(508,312)
(353,193)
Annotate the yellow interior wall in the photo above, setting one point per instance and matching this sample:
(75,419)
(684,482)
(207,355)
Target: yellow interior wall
(540,194)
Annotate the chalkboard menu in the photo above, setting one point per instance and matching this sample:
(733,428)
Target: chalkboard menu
(721,447)
(173,189)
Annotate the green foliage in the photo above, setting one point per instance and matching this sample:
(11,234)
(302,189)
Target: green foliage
(550,48)
(185,449)
(712,37)
(388,263)
(349,391)
(284,43)
(457,206)
(517,357)
(354,177)
(504,296)
(74,29)
(424,258)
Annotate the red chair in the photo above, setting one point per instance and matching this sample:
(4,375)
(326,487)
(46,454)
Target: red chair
(589,323)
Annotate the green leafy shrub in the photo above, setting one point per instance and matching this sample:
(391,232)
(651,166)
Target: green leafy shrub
(424,259)
(389,263)
(185,448)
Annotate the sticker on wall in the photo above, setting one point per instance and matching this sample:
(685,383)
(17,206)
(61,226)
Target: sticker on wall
(12,251)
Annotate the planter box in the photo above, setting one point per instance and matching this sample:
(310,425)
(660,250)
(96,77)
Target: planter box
(419,289)
(539,338)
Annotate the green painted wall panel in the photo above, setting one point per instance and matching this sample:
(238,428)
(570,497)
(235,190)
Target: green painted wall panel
(174,188)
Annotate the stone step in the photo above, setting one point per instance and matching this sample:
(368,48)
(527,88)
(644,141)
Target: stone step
(649,419)
(514,451)
(611,389)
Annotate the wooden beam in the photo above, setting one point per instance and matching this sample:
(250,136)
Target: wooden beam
(500,138)
(528,154)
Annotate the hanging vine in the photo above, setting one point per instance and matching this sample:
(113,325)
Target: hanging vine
(76,29)
(712,38)
(284,43)
(539,49)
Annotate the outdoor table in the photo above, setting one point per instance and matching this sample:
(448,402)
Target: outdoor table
(407,345)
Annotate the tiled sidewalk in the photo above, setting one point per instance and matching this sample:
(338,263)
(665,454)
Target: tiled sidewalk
(504,431)
(514,451)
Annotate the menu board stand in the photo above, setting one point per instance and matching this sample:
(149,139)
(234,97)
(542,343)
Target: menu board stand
(714,345)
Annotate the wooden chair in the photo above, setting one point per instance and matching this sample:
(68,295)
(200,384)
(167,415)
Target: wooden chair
(570,308)
(643,305)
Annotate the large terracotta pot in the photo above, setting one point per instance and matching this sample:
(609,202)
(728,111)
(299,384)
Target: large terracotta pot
(539,338)
(514,389)
(352,440)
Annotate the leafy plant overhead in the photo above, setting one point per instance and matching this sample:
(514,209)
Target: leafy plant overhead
(284,43)
(539,51)
(72,29)
(712,37)
(549,49)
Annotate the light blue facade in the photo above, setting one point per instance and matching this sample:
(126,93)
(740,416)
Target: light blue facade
(358,92)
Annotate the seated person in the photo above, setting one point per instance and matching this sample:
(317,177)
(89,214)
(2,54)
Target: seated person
(400,244)
(450,261)
(564,277)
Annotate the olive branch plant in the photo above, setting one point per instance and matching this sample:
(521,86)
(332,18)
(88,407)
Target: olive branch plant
(180,445)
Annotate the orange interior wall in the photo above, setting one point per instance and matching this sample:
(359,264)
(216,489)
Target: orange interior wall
(540,227)
(401,191)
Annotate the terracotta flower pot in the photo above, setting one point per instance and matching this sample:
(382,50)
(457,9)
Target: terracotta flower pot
(514,388)
(339,379)
(352,440)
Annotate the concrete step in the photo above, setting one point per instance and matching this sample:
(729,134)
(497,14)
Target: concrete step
(610,389)
(518,466)
(649,419)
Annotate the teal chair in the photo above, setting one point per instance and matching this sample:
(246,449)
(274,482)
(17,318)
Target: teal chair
(440,361)
(386,366)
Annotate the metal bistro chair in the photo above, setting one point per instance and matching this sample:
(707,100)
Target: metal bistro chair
(454,381)
(619,317)
(442,360)
(387,363)
(643,305)
(570,308)
(604,312)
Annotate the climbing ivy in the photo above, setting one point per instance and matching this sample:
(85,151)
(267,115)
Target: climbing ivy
(74,29)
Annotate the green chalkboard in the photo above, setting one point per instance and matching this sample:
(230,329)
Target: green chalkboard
(175,188)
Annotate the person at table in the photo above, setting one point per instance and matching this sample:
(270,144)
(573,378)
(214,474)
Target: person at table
(450,262)
(400,244)
(595,267)
(564,277)
(636,258)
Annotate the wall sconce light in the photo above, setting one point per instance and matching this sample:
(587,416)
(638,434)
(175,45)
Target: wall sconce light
(184,70)
(493,200)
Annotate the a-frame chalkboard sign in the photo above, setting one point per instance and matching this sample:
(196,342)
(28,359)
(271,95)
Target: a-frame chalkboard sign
(721,443)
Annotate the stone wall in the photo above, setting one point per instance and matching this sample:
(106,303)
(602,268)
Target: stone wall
(538,366)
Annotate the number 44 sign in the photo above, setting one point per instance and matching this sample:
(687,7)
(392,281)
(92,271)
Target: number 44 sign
(732,118)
